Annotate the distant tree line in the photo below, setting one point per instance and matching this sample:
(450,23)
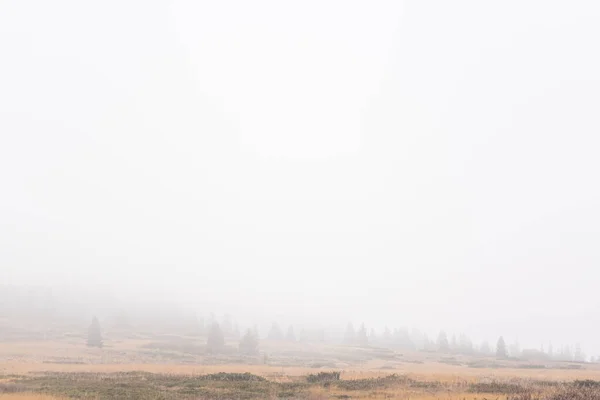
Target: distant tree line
(218,334)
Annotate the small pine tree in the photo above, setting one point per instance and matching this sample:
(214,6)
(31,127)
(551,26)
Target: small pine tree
(95,334)
(216,340)
(249,343)
(290,336)
(275,333)
(402,339)
(442,342)
(428,344)
(361,336)
(501,348)
(372,336)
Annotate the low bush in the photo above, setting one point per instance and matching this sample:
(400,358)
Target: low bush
(233,377)
(323,377)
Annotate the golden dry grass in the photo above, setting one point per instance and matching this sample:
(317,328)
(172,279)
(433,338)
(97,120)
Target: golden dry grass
(22,358)
(425,372)
(406,395)
(28,396)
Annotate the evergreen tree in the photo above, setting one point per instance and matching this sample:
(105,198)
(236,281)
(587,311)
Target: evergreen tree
(402,339)
(361,336)
(275,333)
(95,334)
(249,343)
(442,342)
(212,319)
(290,336)
(349,337)
(501,348)
(372,336)
(428,344)
(216,340)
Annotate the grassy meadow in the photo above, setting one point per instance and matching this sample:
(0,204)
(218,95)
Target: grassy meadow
(172,367)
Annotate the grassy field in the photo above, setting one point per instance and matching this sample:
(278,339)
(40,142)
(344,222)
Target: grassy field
(167,369)
(143,385)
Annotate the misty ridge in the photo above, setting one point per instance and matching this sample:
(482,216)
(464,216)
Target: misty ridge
(40,313)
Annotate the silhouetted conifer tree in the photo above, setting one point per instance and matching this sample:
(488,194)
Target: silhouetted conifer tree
(290,336)
(275,333)
(387,335)
(372,336)
(501,348)
(442,342)
(249,343)
(361,336)
(95,334)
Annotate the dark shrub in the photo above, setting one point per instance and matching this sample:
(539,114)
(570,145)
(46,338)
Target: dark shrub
(587,383)
(233,377)
(11,388)
(323,377)
(497,387)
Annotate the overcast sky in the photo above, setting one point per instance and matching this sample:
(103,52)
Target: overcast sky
(419,163)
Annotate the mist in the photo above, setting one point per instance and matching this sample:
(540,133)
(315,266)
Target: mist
(427,165)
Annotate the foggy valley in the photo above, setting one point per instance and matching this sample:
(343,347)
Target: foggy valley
(299,200)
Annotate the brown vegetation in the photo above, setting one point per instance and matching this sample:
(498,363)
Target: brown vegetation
(128,368)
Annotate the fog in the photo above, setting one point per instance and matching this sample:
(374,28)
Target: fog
(425,164)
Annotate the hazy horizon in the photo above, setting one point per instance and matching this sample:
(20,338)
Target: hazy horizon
(424,164)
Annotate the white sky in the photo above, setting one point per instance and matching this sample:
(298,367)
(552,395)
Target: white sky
(419,163)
